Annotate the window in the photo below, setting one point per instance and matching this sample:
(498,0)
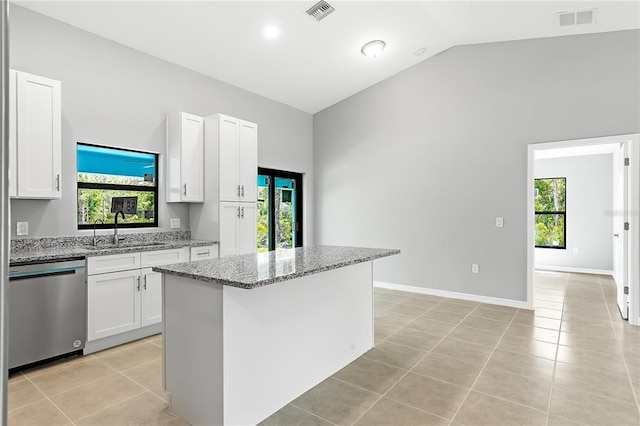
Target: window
(551,216)
(279,210)
(105,172)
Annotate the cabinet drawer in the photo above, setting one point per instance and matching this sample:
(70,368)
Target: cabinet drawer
(203,253)
(113,263)
(164,257)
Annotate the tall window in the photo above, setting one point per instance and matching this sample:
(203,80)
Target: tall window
(551,212)
(104,173)
(279,210)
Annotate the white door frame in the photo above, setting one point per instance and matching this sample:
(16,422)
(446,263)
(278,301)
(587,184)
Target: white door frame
(633,141)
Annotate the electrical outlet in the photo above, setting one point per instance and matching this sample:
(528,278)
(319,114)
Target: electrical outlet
(475,268)
(22,228)
(575,250)
(499,222)
(175,222)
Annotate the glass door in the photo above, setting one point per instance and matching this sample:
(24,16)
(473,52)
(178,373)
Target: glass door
(279,210)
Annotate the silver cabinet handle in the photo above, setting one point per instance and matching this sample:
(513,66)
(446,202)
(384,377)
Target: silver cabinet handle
(242,209)
(616,235)
(138,283)
(203,253)
(238,191)
(242,190)
(185,189)
(238,212)
(145,283)
(58,182)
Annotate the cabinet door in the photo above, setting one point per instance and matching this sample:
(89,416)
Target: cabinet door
(229,217)
(38,119)
(247,228)
(113,303)
(248,162)
(228,158)
(151,311)
(192,157)
(13,134)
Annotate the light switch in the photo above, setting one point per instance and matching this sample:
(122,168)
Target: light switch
(499,222)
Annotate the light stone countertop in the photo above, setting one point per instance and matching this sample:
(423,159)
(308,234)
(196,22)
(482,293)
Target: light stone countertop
(256,270)
(34,250)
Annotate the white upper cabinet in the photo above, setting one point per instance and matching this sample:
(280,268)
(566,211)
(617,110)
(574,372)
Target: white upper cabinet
(185,158)
(228,134)
(248,164)
(238,158)
(35,136)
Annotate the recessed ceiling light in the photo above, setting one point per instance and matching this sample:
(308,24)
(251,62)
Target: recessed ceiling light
(373,49)
(271,31)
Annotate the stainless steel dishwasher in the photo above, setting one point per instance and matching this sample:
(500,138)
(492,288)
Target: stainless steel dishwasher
(47,310)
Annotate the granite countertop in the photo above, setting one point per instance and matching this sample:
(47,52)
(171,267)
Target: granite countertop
(256,270)
(34,250)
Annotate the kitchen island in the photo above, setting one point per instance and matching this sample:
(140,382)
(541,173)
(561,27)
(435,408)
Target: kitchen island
(245,335)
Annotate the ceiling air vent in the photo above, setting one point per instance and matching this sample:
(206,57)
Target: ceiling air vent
(320,10)
(580,17)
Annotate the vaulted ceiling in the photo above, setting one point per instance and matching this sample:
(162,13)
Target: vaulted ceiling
(311,64)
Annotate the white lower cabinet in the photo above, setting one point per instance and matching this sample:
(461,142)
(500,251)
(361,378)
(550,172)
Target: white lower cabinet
(151,302)
(113,303)
(129,298)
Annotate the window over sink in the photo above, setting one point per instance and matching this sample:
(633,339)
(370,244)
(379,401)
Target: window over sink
(106,172)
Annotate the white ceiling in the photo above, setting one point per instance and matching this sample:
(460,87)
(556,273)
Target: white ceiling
(312,65)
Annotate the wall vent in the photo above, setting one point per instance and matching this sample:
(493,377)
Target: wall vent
(320,10)
(579,17)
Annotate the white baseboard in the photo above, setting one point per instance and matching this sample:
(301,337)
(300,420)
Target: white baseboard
(454,295)
(575,270)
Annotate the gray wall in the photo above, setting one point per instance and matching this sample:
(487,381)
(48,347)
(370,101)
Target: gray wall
(589,221)
(114,95)
(425,160)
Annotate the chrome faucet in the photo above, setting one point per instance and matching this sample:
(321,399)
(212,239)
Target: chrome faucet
(116,240)
(95,242)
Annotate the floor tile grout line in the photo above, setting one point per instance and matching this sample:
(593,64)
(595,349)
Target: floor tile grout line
(52,402)
(409,371)
(115,372)
(309,412)
(415,408)
(111,374)
(400,329)
(624,356)
(555,361)
(481,370)
(115,405)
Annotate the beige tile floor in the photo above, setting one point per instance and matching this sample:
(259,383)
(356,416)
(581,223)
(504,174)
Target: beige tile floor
(452,362)
(118,386)
(436,361)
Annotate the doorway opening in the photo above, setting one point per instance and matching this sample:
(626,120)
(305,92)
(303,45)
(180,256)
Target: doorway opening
(279,210)
(623,220)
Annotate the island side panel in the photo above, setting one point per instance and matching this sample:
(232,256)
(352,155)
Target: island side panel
(282,339)
(193,349)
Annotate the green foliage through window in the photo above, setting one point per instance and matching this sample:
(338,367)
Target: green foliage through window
(104,173)
(550,212)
